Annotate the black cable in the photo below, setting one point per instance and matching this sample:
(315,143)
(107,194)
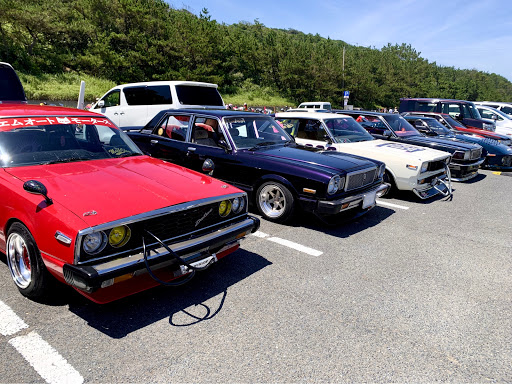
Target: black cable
(173,255)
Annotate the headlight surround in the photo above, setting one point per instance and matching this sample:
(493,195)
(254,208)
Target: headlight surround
(460,155)
(335,184)
(489,127)
(119,236)
(94,243)
(238,204)
(424,167)
(382,169)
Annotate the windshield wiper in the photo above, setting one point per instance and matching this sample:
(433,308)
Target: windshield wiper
(129,155)
(66,160)
(262,144)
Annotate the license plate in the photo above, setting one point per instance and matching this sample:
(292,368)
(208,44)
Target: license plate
(369,199)
(207,261)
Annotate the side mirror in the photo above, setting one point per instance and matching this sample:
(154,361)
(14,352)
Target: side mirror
(495,117)
(101,104)
(327,138)
(222,143)
(387,133)
(37,188)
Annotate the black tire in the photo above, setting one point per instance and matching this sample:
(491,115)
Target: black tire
(388,178)
(25,264)
(275,202)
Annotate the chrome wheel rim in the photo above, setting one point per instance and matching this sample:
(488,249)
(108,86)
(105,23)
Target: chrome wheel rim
(18,259)
(272,201)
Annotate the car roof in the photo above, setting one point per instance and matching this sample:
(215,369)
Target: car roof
(312,115)
(24,110)
(433,99)
(212,112)
(352,112)
(172,82)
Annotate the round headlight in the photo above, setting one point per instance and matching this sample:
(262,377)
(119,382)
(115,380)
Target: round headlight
(94,242)
(119,236)
(224,208)
(424,167)
(235,204)
(334,185)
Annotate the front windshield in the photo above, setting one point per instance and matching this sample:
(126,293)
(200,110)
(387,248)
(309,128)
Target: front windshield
(452,122)
(473,111)
(255,131)
(433,124)
(345,129)
(400,126)
(49,140)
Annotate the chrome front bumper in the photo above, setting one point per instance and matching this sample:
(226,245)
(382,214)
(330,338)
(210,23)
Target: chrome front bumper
(363,200)
(92,277)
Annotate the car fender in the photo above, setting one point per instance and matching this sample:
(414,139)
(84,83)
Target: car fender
(278,178)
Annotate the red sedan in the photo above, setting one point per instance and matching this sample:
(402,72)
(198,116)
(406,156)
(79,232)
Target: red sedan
(81,204)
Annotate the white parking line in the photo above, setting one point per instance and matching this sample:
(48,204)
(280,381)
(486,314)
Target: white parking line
(46,361)
(380,202)
(289,244)
(10,323)
(298,247)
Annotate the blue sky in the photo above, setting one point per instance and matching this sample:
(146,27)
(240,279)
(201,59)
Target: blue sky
(463,34)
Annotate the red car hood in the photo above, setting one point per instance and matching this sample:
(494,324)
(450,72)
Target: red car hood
(119,188)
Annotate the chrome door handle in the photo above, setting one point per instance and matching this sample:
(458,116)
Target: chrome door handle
(154,142)
(191,149)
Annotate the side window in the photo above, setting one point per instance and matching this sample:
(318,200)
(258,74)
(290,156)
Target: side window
(422,106)
(485,113)
(507,110)
(312,130)
(206,131)
(174,127)
(452,109)
(158,94)
(291,126)
(112,99)
(135,95)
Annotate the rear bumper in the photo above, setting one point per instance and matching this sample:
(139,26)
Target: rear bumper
(90,278)
(328,207)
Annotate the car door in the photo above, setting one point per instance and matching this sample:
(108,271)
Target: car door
(203,152)
(168,140)
(133,112)
(311,133)
(110,106)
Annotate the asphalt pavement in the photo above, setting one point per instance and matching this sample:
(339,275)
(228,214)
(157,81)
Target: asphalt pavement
(414,291)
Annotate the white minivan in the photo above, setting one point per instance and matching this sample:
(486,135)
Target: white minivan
(135,104)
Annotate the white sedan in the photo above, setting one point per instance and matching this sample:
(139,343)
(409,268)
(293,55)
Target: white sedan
(503,121)
(408,167)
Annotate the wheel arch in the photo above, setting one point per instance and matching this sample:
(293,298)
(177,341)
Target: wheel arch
(273,177)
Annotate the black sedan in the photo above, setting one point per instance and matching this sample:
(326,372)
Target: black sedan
(253,152)
(466,157)
(497,156)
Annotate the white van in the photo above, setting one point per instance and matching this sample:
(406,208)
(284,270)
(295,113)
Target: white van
(316,105)
(134,104)
(500,106)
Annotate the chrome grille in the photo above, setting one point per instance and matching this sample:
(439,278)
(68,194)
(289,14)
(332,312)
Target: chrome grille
(360,179)
(475,154)
(436,165)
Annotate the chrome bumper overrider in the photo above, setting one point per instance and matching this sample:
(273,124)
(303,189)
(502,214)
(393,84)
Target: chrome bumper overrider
(91,277)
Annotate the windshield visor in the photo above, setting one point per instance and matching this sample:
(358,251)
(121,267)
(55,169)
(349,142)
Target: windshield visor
(47,140)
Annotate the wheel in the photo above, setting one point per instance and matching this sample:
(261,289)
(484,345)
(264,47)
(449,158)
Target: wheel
(388,178)
(25,263)
(274,201)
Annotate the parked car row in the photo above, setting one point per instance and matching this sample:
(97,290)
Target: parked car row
(112,212)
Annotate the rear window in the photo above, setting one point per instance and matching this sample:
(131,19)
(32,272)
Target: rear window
(197,95)
(10,86)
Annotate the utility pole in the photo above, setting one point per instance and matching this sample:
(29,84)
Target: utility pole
(343,85)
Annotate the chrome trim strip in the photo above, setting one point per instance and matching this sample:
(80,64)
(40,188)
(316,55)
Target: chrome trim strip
(153,214)
(127,262)
(356,199)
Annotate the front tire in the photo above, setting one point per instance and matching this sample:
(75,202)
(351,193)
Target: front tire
(25,264)
(275,202)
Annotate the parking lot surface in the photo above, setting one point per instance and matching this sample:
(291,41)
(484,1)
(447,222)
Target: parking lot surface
(415,291)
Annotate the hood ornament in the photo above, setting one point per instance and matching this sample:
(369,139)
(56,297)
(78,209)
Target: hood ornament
(90,213)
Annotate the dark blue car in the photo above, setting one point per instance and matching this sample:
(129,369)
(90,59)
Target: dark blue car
(253,152)
(497,156)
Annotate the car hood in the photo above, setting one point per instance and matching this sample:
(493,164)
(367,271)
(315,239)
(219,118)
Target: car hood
(327,160)
(120,188)
(450,145)
(490,145)
(382,149)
